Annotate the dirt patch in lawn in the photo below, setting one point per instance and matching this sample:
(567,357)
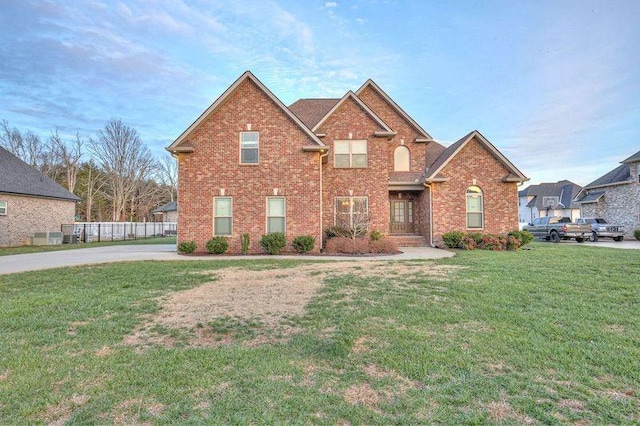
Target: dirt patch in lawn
(249,302)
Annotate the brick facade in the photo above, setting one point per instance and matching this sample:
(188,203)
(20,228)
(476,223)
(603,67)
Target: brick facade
(215,166)
(351,122)
(26,215)
(474,165)
(212,167)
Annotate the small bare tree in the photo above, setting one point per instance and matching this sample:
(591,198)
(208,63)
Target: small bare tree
(353,216)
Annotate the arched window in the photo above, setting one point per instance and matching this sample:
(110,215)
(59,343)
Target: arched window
(401,159)
(475,208)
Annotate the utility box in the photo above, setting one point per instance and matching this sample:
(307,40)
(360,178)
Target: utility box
(48,238)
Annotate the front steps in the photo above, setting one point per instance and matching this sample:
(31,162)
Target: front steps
(409,240)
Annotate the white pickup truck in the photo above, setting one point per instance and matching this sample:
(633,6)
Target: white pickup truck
(600,228)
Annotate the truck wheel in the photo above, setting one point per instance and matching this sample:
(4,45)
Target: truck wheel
(618,238)
(554,237)
(580,239)
(594,237)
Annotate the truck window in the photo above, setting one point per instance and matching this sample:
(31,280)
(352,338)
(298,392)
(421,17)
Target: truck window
(599,220)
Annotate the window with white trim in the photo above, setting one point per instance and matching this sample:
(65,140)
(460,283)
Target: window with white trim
(475,208)
(249,147)
(401,159)
(222,216)
(352,212)
(276,215)
(350,154)
(3,208)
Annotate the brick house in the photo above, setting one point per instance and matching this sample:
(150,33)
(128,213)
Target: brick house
(250,164)
(615,196)
(30,202)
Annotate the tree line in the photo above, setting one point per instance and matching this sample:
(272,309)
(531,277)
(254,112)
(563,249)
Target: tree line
(113,171)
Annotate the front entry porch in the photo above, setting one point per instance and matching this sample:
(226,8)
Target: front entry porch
(401,215)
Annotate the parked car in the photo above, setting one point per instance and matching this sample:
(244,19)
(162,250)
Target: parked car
(600,228)
(556,228)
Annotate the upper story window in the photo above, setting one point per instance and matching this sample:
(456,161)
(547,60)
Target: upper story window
(401,159)
(475,208)
(3,208)
(222,216)
(350,154)
(249,147)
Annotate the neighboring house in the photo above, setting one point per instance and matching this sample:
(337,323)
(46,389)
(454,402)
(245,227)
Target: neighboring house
(250,164)
(166,213)
(615,196)
(549,199)
(30,202)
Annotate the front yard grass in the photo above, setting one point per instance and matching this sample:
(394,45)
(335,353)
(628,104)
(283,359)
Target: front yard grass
(548,335)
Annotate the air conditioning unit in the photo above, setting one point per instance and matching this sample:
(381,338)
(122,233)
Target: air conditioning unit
(46,238)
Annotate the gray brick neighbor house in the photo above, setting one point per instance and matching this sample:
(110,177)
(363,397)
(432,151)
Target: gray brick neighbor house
(615,196)
(30,202)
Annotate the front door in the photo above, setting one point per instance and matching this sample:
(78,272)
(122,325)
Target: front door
(401,217)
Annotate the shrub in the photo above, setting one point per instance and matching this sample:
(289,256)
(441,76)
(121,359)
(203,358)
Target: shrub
(187,247)
(273,243)
(360,245)
(468,243)
(636,234)
(453,239)
(336,231)
(525,237)
(244,243)
(376,235)
(477,237)
(303,243)
(513,242)
(217,245)
(492,242)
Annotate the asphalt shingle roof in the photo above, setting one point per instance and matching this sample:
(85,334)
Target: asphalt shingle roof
(622,173)
(565,190)
(634,158)
(17,177)
(311,111)
(171,206)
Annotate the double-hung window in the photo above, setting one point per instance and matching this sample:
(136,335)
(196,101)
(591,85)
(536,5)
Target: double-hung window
(3,208)
(352,212)
(350,154)
(222,216)
(475,208)
(276,215)
(249,147)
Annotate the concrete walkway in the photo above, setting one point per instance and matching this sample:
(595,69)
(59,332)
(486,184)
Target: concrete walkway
(128,253)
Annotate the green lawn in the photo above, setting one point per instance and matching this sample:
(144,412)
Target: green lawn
(547,335)
(6,251)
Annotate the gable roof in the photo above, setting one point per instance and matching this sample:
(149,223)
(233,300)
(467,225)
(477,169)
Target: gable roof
(633,159)
(592,197)
(311,111)
(386,130)
(565,190)
(171,206)
(370,83)
(451,151)
(20,178)
(181,144)
(619,175)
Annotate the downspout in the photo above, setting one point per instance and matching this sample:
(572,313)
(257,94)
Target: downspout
(326,153)
(428,185)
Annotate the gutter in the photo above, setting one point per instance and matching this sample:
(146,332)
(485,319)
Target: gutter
(428,185)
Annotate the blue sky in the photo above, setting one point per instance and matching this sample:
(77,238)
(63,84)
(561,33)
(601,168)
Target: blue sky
(555,85)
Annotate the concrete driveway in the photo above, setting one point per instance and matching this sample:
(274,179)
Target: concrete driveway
(129,253)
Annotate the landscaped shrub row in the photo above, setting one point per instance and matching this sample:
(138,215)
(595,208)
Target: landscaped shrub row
(477,240)
(341,240)
(271,243)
